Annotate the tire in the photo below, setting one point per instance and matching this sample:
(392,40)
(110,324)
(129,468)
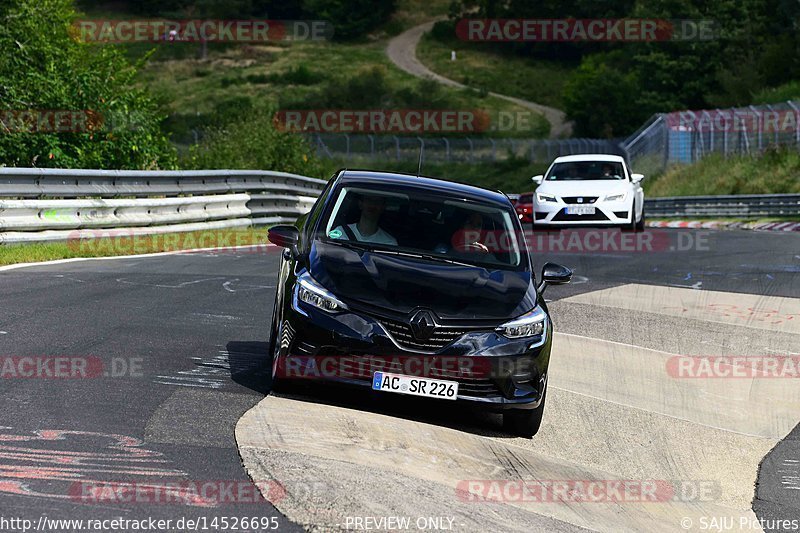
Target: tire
(525,422)
(632,226)
(278,384)
(640,225)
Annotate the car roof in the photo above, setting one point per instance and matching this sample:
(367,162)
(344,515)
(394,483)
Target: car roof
(374,177)
(589,157)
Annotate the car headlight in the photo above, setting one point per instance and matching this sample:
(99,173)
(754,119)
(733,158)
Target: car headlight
(530,324)
(546,197)
(616,197)
(309,291)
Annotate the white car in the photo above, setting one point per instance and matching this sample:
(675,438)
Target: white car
(589,190)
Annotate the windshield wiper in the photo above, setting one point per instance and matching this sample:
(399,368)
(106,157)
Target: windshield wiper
(430,257)
(359,246)
(353,245)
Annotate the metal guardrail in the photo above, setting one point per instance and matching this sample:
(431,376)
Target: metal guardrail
(740,206)
(54,204)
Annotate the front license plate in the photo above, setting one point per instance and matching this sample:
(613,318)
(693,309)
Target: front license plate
(431,388)
(580,210)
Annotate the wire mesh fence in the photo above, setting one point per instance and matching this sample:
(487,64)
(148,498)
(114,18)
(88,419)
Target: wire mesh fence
(680,137)
(684,137)
(453,149)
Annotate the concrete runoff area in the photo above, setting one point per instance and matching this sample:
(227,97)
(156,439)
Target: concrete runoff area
(616,411)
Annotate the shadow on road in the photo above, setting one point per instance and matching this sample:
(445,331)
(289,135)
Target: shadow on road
(250,366)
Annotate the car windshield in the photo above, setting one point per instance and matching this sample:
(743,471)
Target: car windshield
(418,222)
(586,170)
(526,199)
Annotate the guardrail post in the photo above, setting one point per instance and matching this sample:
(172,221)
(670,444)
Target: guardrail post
(446,149)
(397,146)
(724,136)
(776,129)
(471,149)
(760,128)
(710,130)
(796,120)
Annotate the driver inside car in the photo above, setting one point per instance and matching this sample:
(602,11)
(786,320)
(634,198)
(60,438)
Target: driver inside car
(367,228)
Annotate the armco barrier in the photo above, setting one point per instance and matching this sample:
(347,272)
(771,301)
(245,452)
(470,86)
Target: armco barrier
(51,204)
(737,206)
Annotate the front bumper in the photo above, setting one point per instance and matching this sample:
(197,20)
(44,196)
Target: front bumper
(349,347)
(617,213)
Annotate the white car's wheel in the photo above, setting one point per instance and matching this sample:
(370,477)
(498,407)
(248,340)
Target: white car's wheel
(641,224)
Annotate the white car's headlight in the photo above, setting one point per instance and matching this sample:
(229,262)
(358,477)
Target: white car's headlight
(546,197)
(616,197)
(531,324)
(310,292)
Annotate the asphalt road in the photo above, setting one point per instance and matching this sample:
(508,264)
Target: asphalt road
(183,338)
(187,334)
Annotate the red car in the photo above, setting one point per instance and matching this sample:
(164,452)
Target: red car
(524,207)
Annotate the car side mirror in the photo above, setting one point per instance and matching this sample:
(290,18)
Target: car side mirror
(538,179)
(636,178)
(285,236)
(553,274)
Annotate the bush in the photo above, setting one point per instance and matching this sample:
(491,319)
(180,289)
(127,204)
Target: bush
(776,95)
(368,89)
(298,75)
(44,68)
(252,142)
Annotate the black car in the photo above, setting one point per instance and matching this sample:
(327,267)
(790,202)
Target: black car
(414,285)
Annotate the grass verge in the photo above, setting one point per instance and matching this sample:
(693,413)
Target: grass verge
(123,243)
(480,67)
(776,171)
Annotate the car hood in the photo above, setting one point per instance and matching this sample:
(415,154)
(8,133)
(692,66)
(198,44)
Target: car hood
(584,188)
(401,284)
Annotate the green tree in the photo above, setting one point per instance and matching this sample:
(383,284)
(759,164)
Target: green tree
(351,18)
(44,66)
(602,100)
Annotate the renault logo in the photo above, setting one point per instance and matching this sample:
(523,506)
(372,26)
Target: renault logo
(422,324)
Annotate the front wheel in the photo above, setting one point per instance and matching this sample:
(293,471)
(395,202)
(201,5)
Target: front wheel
(278,384)
(640,224)
(525,422)
(633,226)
